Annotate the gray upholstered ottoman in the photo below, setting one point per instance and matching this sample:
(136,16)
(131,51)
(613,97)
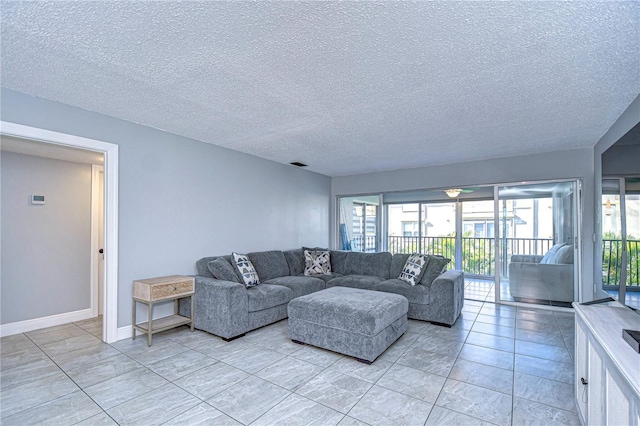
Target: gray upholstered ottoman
(351,321)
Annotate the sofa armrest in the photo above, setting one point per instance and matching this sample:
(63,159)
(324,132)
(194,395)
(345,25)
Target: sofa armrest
(447,297)
(541,281)
(528,258)
(221,307)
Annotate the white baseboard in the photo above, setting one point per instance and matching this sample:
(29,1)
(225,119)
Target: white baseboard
(44,322)
(124,332)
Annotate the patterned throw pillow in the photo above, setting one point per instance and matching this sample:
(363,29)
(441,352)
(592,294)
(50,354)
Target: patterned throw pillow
(246,269)
(317,262)
(414,268)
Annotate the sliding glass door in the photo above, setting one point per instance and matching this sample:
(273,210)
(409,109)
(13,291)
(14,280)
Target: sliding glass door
(359,223)
(536,245)
(621,239)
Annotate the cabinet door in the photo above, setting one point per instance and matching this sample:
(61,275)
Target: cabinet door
(595,388)
(581,372)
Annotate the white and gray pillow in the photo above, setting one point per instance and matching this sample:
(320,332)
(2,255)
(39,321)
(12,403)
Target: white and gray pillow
(246,269)
(317,262)
(414,268)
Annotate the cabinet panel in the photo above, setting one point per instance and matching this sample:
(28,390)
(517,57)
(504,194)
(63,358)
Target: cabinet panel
(581,370)
(617,403)
(595,400)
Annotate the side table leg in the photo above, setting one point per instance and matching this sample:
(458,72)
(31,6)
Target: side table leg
(133,320)
(149,328)
(192,315)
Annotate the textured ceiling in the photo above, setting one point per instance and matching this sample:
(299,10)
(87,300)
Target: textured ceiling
(346,87)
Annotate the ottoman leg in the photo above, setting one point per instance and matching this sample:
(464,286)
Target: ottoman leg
(297,341)
(364,361)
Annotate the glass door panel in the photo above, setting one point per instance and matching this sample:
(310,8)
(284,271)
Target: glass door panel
(438,222)
(632,222)
(403,228)
(478,239)
(536,236)
(611,236)
(358,223)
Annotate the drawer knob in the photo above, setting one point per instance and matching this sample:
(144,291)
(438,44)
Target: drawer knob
(175,288)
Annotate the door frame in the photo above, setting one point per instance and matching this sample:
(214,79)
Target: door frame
(95,238)
(110,152)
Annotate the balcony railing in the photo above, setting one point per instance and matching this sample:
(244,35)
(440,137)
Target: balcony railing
(612,263)
(478,254)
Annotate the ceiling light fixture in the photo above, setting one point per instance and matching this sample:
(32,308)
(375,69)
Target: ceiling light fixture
(453,192)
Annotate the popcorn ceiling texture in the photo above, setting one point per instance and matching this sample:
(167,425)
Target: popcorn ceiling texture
(346,87)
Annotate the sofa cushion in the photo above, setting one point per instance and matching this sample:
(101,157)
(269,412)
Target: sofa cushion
(414,268)
(202,265)
(436,266)
(269,264)
(326,278)
(222,270)
(564,255)
(550,256)
(245,269)
(317,262)
(295,260)
(300,285)
(415,294)
(376,264)
(397,264)
(365,282)
(265,296)
(339,261)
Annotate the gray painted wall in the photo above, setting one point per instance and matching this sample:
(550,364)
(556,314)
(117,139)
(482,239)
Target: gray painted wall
(181,199)
(45,248)
(570,164)
(621,160)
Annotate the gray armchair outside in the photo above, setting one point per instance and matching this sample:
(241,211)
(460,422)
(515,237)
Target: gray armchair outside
(531,279)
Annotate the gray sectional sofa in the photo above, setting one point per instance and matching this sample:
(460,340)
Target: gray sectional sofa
(227,308)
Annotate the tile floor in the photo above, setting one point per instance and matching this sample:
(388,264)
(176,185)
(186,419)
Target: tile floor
(497,365)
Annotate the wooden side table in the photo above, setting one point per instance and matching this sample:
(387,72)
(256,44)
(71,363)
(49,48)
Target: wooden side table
(153,290)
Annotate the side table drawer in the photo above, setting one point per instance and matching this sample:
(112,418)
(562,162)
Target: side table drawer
(169,290)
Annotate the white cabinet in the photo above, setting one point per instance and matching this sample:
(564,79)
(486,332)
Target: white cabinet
(607,370)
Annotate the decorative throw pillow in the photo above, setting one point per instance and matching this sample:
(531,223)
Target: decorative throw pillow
(414,268)
(317,262)
(436,266)
(246,269)
(222,270)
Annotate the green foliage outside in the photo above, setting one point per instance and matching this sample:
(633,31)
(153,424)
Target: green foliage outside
(612,259)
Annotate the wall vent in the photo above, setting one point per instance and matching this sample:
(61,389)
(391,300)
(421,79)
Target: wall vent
(298,164)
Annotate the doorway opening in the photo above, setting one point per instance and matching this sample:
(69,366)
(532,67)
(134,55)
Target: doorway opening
(110,184)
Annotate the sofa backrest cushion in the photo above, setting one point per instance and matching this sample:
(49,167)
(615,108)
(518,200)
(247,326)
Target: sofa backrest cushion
(269,264)
(375,264)
(550,256)
(397,263)
(202,265)
(339,261)
(221,269)
(295,260)
(435,267)
(564,255)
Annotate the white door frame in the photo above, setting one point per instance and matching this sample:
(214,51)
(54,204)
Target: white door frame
(95,238)
(110,151)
